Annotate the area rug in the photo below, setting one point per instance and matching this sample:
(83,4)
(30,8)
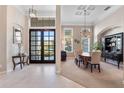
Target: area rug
(110,76)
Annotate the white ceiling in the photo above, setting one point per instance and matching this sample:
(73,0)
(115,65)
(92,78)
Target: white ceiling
(42,10)
(69,13)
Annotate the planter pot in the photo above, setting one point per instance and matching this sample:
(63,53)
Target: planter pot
(96,50)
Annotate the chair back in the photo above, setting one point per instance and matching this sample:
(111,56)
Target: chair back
(96,57)
(77,52)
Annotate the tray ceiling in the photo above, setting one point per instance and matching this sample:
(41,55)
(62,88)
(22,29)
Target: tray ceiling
(74,14)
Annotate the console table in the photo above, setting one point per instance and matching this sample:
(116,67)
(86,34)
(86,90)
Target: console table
(19,60)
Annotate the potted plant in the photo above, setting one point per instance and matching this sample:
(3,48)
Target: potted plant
(97,46)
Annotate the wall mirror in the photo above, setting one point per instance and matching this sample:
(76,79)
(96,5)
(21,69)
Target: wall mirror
(17,35)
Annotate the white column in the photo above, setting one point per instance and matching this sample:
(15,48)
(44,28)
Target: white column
(58,39)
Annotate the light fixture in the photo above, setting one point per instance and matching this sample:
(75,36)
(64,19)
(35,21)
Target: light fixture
(32,12)
(85,25)
(85,32)
(85,10)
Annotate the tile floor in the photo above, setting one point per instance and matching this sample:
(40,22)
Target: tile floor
(36,76)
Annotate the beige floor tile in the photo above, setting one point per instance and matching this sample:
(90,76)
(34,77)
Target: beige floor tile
(36,76)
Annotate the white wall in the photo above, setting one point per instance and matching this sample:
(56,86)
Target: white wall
(9,17)
(14,18)
(115,19)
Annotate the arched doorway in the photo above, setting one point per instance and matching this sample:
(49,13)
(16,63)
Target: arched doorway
(106,30)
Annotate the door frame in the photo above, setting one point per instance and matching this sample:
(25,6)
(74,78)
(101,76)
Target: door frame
(42,44)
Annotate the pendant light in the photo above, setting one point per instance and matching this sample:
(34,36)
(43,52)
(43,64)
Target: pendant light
(32,12)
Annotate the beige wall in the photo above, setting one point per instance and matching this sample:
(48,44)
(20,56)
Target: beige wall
(9,17)
(115,19)
(76,35)
(14,18)
(3,38)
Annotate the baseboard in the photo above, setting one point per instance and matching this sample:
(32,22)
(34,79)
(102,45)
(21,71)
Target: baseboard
(3,72)
(58,72)
(9,71)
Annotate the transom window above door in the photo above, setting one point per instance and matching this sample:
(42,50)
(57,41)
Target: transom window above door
(42,22)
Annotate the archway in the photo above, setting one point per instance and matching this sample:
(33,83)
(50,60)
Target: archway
(109,29)
(106,30)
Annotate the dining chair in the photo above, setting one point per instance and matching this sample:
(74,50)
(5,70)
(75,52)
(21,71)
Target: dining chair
(78,60)
(95,60)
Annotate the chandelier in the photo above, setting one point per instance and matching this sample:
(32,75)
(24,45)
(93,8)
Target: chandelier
(32,12)
(85,24)
(85,31)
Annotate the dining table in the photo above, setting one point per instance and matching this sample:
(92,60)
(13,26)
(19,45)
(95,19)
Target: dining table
(86,56)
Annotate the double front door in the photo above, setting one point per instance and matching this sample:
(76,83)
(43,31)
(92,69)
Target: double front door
(42,45)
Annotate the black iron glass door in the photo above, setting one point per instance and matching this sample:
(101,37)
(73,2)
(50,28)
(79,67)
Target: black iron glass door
(42,45)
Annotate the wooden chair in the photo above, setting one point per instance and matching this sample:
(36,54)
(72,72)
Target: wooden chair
(78,60)
(95,60)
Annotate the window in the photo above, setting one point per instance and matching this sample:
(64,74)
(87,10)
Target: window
(42,22)
(68,40)
(86,44)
